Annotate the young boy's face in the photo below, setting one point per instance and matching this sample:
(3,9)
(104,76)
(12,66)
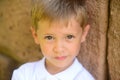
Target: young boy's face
(60,42)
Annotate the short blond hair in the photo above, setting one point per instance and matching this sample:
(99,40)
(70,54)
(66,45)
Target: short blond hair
(58,9)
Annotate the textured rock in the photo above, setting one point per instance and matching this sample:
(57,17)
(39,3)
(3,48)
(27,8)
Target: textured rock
(93,51)
(16,43)
(6,67)
(114,40)
(14,30)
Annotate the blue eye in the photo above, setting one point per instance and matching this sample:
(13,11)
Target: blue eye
(48,37)
(70,36)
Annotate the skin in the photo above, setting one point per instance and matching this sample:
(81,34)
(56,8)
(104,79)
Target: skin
(59,43)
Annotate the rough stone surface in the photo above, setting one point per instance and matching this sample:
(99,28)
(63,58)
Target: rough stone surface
(16,42)
(93,51)
(114,41)
(6,67)
(15,30)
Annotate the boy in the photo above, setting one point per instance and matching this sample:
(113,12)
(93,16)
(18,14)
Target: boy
(59,27)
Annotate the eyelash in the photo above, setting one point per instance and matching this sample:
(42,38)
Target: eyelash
(70,37)
(48,37)
(51,37)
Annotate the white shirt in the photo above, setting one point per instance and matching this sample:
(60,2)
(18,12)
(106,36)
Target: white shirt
(37,71)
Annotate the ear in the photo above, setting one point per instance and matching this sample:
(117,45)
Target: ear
(85,32)
(34,35)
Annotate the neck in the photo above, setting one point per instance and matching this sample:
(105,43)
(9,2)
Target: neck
(52,69)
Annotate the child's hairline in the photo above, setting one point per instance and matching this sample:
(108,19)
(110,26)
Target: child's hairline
(61,18)
(64,20)
(40,13)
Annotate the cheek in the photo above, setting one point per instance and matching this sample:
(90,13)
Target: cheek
(74,48)
(46,49)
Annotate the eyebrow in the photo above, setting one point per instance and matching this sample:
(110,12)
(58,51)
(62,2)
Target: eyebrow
(47,34)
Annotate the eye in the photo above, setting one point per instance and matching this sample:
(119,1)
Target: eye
(70,37)
(48,37)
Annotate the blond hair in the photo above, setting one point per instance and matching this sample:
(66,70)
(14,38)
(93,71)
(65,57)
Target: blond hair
(58,9)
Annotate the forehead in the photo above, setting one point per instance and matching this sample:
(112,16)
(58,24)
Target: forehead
(59,27)
(61,23)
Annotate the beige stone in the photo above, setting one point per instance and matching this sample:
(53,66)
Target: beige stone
(93,51)
(6,67)
(16,43)
(114,41)
(15,32)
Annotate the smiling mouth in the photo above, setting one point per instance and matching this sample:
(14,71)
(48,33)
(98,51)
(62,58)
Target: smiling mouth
(61,58)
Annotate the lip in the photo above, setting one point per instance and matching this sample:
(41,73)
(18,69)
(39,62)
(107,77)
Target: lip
(61,58)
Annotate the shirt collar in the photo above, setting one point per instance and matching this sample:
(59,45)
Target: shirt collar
(69,74)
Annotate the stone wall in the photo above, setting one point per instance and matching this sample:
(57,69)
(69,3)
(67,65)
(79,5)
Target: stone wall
(16,43)
(113,52)
(100,54)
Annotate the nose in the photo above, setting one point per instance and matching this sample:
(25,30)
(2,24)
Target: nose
(58,46)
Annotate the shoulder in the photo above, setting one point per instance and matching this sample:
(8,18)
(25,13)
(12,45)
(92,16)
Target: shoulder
(29,66)
(84,75)
(26,70)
